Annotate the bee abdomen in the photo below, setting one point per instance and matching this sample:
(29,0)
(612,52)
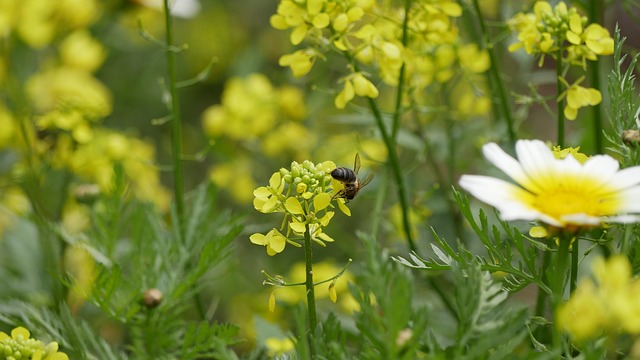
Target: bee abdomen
(343,174)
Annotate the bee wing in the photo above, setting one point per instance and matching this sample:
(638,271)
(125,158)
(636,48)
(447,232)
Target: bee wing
(356,164)
(366,180)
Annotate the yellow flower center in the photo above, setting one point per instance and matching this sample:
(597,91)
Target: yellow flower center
(575,196)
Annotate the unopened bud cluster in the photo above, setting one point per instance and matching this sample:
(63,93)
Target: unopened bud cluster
(308,177)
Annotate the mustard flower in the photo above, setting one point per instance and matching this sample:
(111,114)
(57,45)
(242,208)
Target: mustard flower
(20,345)
(578,97)
(603,304)
(300,61)
(304,193)
(558,192)
(355,84)
(548,29)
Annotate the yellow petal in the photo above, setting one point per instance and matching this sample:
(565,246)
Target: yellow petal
(20,332)
(321,201)
(538,232)
(298,34)
(321,21)
(293,206)
(575,23)
(343,207)
(297,227)
(258,239)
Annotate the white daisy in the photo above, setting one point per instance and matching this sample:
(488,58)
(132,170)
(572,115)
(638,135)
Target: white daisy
(558,192)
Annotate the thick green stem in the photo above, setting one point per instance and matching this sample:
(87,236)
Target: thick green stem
(560,89)
(502,102)
(311,297)
(558,284)
(574,266)
(176,121)
(541,301)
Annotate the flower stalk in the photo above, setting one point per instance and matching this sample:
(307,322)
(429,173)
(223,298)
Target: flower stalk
(502,101)
(176,121)
(560,89)
(311,297)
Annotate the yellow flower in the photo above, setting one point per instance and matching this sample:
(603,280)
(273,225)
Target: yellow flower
(605,304)
(560,193)
(300,61)
(577,97)
(355,84)
(560,153)
(274,241)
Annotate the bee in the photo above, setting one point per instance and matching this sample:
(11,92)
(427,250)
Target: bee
(349,178)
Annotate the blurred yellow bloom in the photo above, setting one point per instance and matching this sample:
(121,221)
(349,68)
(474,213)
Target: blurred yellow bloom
(251,107)
(81,268)
(236,177)
(79,50)
(300,61)
(7,127)
(66,88)
(605,304)
(276,347)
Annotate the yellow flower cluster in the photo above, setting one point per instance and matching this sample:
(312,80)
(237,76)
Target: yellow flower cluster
(39,22)
(66,103)
(368,34)
(262,118)
(546,29)
(562,31)
(303,194)
(94,162)
(20,345)
(605,304)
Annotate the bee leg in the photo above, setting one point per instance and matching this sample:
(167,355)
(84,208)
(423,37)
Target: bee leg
(339,194)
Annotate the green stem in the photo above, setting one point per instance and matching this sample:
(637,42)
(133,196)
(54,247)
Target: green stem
(595,15)
(541,300)
(311,298)
(559,281)
(502,102)
(176,121)
(397,172)
(389,138)
(400,89)
(574,266)
(560,89)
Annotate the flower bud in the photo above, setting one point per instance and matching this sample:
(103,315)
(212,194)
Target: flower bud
(152,298)
(631,137)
